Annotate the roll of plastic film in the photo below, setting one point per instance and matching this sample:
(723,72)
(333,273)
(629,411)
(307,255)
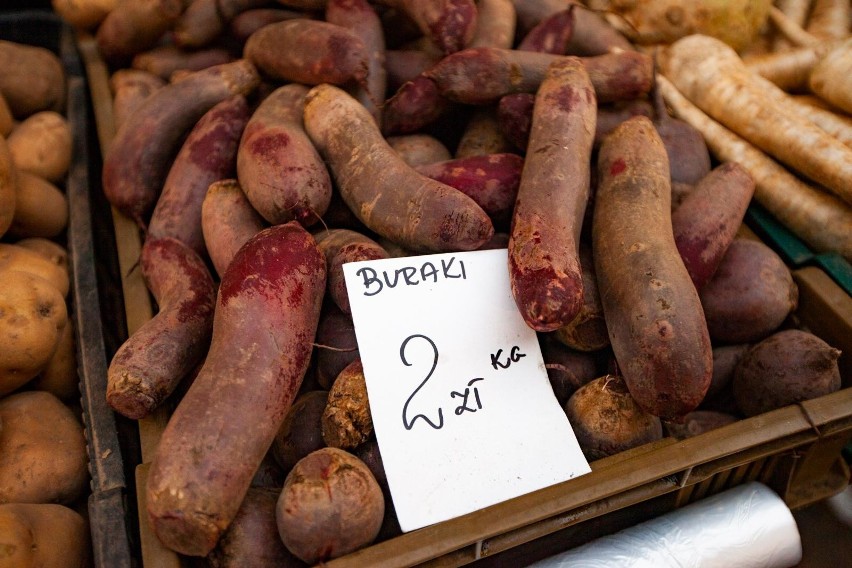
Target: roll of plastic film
(748,526)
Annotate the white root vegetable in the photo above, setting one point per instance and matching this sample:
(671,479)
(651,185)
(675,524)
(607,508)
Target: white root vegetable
(713,77)
(797,12)
(790,69)
(790,29)
(831,78)
(830,18)
(823,221)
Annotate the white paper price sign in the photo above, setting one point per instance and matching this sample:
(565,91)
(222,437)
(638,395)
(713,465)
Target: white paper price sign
(462,407)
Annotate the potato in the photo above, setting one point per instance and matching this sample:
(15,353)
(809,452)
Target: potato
(787,367)
(331,504)
(41,209)
(84,14)
(59,376)
(33,315)
(36,535)
(8,184)
(14,257)
(43,455)
(41,144)
(607,420)
(32,78)
(7,121)
(49,249)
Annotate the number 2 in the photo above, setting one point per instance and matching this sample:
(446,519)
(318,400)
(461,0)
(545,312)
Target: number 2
(410,423)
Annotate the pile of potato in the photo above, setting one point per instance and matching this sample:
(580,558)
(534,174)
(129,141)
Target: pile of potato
(261,145)
(43,461)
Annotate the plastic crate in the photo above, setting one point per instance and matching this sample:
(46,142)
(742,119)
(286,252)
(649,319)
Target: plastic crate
(109,519)
(796,450)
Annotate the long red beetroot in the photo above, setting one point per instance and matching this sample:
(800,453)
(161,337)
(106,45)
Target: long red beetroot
(209,154)
(228,221)
(707,220)
(544,264)
(307,51)
(278,167)
(387,194)
(138,161)
(491,180)
(483,75)
(266,316)
(449,24)
(653,313)
(339,247)
(151,363)
(360,17)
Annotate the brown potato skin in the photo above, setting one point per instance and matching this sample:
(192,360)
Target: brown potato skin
(14,257)
(384,192)
(544,263)
(787,367)
(41,144)
(8,187)
(279,169)
(59,376)
(147,367)
(209,154)
(331,504)
(607,420)
(268,304)
(750,295)
(43,455)
(227,221)
(141,154)
(654,316)
(32,79)
(49,249)
(33,315)
(41,208)
(43,534)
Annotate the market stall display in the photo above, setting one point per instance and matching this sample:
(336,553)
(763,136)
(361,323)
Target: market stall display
(668,248)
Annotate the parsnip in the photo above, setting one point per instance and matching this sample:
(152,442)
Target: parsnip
(714,78)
